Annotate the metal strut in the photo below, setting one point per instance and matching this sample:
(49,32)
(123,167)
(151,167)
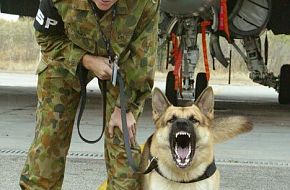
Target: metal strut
(256,65)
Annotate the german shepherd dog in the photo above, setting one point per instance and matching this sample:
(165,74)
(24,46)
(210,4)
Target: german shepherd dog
(180,153)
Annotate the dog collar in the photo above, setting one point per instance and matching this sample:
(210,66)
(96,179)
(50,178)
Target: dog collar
(210,170)
(153,165)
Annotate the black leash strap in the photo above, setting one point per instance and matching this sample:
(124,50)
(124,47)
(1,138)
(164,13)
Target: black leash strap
(126,137)
(83,77)
(107,41)
(83,72)
(266,47)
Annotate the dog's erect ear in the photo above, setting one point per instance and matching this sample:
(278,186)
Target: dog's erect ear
(205,102)
(159,103)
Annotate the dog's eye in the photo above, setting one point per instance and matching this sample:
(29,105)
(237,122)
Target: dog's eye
(172,119)
(193,120)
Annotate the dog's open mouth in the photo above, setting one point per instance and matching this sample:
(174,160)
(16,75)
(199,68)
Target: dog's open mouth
(183,148)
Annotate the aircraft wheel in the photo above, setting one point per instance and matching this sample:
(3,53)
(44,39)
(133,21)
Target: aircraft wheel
(200,84)
(170,92)
(284,86)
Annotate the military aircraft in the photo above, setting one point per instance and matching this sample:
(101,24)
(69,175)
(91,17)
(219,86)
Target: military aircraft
(182,21)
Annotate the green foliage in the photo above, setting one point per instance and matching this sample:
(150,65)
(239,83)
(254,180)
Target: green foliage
(18,48)
(20,52)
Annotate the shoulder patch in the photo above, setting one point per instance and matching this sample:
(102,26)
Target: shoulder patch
(48,20)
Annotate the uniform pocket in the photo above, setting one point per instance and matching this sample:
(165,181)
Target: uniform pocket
(42,66)
(58,68)
(55,72)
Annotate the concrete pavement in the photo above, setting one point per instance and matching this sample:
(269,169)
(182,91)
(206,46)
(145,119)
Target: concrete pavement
(88,174)
(257,160)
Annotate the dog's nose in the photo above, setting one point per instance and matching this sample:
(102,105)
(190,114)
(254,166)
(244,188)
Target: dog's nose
(180,123)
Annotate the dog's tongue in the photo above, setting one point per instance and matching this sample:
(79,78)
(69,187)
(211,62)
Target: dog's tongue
(183,152)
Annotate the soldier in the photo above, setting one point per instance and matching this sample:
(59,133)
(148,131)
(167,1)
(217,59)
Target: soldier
(70,36)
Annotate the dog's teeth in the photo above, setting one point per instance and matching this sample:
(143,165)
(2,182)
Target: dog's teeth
(176,153)
(182,133)
(189,151)
(183,164)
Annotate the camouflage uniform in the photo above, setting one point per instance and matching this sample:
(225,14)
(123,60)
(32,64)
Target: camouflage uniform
(134,38)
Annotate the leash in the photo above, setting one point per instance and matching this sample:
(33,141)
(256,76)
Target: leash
(83,72)
(116,78)
(123,100)
(124,123)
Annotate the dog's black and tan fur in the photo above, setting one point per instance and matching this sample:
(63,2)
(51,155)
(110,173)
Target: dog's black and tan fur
(183,143)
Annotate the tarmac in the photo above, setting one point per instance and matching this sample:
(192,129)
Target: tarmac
(257,160)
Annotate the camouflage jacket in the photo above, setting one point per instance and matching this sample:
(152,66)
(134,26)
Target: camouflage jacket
(133,37)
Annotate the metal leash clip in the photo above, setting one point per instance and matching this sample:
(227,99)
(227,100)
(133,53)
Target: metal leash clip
(115,69)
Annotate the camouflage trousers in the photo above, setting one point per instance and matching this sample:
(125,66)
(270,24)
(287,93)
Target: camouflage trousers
(58,98)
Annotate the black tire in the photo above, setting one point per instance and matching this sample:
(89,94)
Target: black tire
(284,86)
(170,92)
(200,84)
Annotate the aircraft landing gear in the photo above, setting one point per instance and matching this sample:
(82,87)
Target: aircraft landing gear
(172,95)
(183,54)
(284,85)
(201,84)
(170,92)
(259,72)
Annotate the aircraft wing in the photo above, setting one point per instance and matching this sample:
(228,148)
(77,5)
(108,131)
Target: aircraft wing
(19,7)
(278,23)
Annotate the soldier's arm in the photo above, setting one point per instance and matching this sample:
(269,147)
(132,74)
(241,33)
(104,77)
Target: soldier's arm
(60,48)
(139,69)
(50,35)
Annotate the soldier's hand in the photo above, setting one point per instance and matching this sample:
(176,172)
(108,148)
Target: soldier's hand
(116,121)
(98,65)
